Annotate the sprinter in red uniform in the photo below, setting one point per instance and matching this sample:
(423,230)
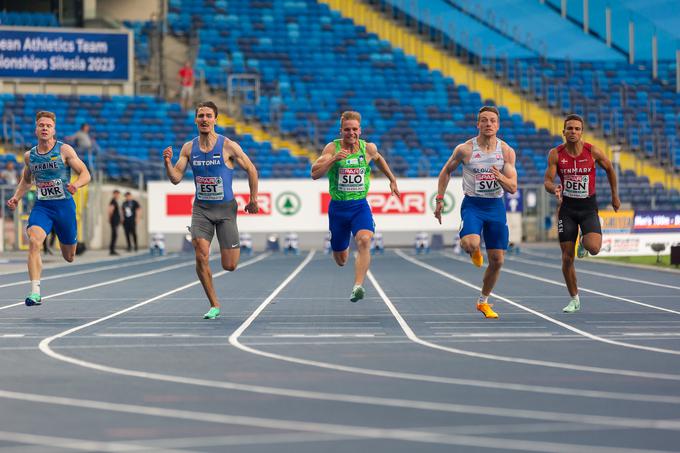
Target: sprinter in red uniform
(574,162)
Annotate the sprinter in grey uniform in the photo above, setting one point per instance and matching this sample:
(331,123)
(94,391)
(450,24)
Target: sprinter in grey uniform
(212,158)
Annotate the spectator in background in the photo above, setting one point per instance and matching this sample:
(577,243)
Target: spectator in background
(114,221)
(131,212)
(85,145)
(9,174)
(186,80)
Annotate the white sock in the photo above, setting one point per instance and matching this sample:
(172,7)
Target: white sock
(35,287)
(482,299)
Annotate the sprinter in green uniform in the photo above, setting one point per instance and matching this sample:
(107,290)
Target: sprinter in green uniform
(346,161)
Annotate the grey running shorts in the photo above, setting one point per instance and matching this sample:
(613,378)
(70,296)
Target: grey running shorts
(221,217)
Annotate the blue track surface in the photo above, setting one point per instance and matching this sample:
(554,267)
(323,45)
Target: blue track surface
(119,359)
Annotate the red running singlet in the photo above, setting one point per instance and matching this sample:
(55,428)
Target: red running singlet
(577,173)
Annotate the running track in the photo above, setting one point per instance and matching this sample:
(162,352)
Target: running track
(119,359)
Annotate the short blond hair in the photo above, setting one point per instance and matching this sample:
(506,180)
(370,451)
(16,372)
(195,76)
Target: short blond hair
(45,114)
(350,115)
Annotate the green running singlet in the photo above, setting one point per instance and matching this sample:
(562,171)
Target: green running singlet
(349,178)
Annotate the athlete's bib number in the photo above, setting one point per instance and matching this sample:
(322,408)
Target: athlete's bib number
(209,188)
(576,186)
(486,185)
(351,179)
(50,190)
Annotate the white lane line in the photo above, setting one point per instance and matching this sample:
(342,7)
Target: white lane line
(118,280)
(597,274)
(88,271)
(591,291)
(75,444)
(12,335)
(497,334)
(233,339)
(324,335)
(335,429)
(546,317)
(150,335)
(44,346)
(412,335)
(239,439)
(652,334)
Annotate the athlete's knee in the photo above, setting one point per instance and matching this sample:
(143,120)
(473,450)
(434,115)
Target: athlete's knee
(496,261)
(69,257)
(567,260)
(470,240)
(593,249)
(229,266)
(340,258)
(35,242)
(363,241)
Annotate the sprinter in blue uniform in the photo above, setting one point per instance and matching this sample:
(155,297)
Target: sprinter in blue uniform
(212,158)
(49,164)
(488,170)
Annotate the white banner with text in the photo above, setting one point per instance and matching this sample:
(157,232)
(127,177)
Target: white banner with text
(301,205)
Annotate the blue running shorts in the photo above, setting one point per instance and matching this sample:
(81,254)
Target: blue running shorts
(345,217)
(487,216)
(60,214)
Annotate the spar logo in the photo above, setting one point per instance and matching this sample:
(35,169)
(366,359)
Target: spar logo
(288,203)
(449,202)
(385,203)
(177,204)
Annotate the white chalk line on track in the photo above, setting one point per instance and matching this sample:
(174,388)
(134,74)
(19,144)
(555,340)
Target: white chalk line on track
(125,264)
(233,339)
(597,261)
(346,398)
(77,444)
(111,282)
(534,312)
(591,291)
(321,428)
(588,272)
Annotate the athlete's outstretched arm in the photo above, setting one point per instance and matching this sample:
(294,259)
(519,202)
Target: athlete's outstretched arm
(236,152)
(24,185)
(508,177)
(449,167)
(176,173)
(607,166)
(72,160)
(326,160)
(373,155)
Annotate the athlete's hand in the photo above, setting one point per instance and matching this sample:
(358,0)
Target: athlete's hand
(558,193)
(438,211)
(167,154)
(616,203)
(340,155)
(71,188)
(252,207)
(12,203)
(497,174)
(395,189)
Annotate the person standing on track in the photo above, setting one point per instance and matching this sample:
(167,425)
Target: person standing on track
(346,161)
(488,171)
(574,162)
(49,164)
(212,158)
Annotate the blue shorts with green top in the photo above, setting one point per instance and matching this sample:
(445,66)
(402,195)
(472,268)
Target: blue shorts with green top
(345,219)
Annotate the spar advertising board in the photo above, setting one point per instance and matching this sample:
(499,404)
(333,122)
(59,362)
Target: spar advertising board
(301,205)
(65,54)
